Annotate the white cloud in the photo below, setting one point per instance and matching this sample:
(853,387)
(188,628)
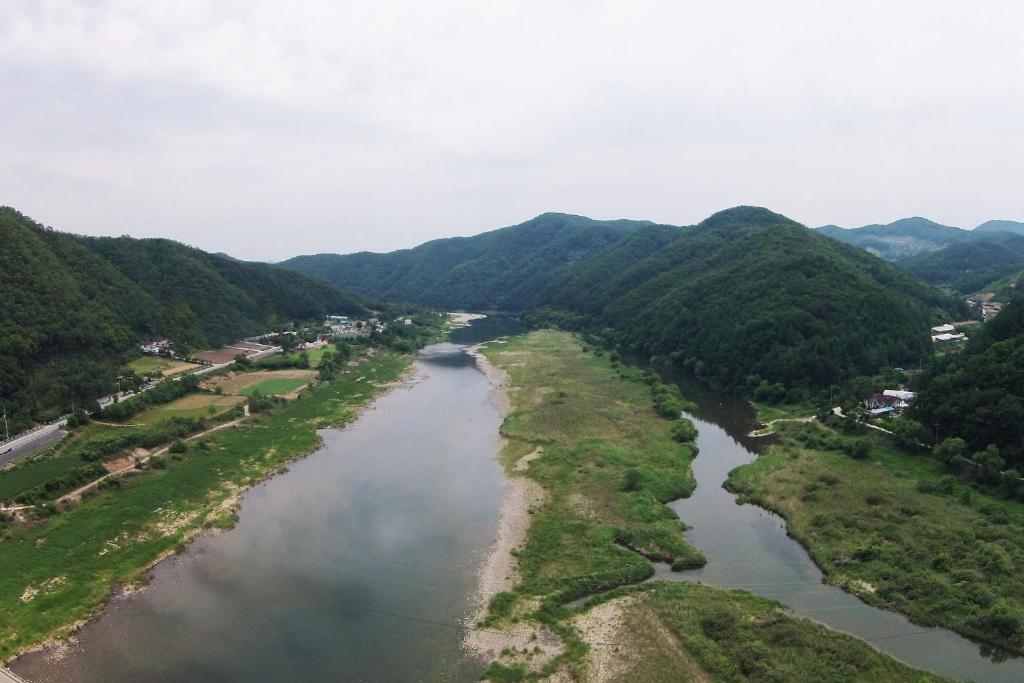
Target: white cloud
(377,125)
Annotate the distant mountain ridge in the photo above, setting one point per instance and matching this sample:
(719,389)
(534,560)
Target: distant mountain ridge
(751,300)
(896,240)
(496,270)
(745,297)
(910,237)
(1016,227)
(971,262)
(72,306)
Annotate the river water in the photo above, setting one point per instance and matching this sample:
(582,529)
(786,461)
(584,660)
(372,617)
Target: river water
(747,547)
(358,565)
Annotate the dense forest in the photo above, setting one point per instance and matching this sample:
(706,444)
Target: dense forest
(899,239)
(970,263)
(978,396)
(73,305)
(498,270)
(750,300)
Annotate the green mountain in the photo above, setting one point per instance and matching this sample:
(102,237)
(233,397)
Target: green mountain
(979,395)
(1015,227)
(73,305)
(896,240)
(750,300)
(970,263)
(500,269)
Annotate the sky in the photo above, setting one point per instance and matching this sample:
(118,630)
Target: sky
(271,129)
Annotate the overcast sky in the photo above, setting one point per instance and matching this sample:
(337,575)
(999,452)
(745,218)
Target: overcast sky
(270,129)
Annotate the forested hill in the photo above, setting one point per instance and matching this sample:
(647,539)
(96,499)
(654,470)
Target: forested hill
(501,269)
(970,263)
(72,305)
(896,240)
(749,299)
(978,396)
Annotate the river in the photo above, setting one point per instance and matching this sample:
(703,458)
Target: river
(359,564)
(747,547)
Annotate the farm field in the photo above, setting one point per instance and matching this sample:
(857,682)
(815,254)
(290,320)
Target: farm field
(167,367)
(35,471)
(264,381)
(276,386)
(217,356)
(196,405)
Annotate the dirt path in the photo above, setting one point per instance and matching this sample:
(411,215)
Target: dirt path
(133,465)
(767,429)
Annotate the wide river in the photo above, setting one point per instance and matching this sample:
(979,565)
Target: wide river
(359,564)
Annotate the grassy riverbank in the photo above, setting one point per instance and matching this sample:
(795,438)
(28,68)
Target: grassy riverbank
(59,571)
(896,529)
(587,430)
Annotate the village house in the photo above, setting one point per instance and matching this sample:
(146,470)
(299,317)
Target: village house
(155,347)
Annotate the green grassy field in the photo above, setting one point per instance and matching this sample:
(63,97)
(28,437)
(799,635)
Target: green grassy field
(196,405)
(147,365)
(276,386)
(608,463)
(607,460)
(898,530)
(61,571)
(35,471)
(673,631)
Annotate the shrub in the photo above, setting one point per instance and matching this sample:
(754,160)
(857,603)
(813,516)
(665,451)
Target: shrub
(683,431)
(634,480)
(178,447)
(858,449)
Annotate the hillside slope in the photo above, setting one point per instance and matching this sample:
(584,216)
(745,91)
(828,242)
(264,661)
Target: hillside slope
(500,269)
(896,240)
(72,305)
(970,263)
(749,295)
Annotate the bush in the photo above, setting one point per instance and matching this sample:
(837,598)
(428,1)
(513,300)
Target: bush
(858,449)
(178,447)
(634,481)
(683,431)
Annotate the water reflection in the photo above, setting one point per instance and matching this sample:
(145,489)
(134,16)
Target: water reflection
(358,565)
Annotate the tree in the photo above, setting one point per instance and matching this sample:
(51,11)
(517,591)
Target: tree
(907,432)
(951,450)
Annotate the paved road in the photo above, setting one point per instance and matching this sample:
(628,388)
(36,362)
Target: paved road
(44,439)
(8,676)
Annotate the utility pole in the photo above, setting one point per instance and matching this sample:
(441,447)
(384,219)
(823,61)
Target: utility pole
(7,432)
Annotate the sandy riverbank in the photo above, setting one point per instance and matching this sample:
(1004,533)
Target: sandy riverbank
(499,572)
(463,319)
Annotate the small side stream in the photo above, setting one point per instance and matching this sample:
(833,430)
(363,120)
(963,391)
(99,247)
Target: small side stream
(747,548)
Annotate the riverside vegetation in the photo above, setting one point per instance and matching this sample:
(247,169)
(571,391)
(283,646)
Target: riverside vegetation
(897,529)
(57,571)
(608,446)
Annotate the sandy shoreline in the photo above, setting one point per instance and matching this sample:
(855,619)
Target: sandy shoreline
(499,572)
(456,320)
